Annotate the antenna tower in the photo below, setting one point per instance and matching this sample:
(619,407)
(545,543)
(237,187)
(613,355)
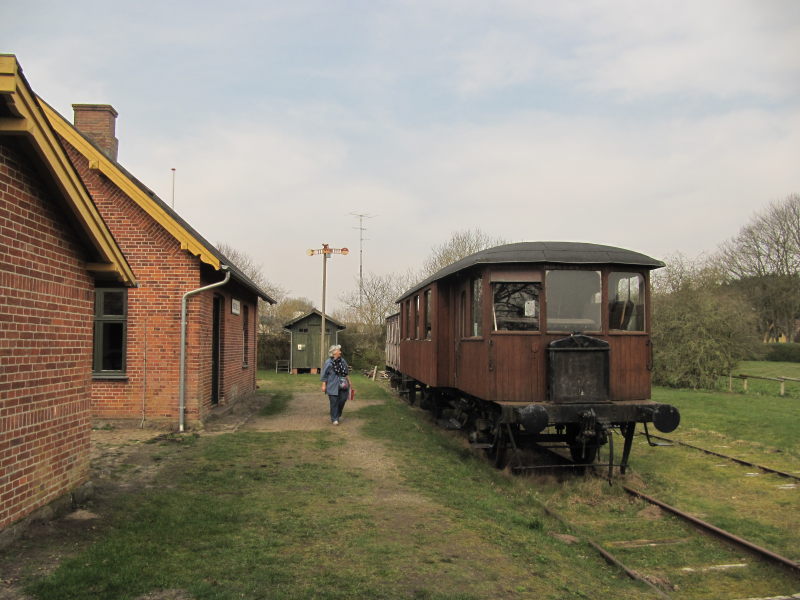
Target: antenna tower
(361,238)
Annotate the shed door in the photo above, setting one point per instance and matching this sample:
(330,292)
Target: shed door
(312,347)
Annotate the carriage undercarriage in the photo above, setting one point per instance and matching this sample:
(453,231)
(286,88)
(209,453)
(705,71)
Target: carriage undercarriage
(504,430)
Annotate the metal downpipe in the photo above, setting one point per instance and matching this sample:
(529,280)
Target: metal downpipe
(182,390)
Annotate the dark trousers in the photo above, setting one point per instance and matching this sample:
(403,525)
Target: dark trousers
(337,403)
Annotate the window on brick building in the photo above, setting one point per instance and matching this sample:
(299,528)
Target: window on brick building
(110,331)
(245,335)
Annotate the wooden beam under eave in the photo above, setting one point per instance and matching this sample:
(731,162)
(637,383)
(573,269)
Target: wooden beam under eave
(15,126)
(8,74)
(101,267)
(106,271)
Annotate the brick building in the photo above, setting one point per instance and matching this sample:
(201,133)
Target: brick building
(136,370)
(55,250)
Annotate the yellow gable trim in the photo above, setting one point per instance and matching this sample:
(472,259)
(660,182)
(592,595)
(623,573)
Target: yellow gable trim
(97,160)
(32,124)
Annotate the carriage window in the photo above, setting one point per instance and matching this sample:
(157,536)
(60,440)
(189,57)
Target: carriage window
(626,302)
(416,317)
(462,315)
(516,306)
(573,300)
(477,321)
(427,314)
(408,319)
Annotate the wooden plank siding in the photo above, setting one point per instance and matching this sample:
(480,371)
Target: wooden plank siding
(515,367)
(418,358)
(418,354)
(630,355)
(507,366)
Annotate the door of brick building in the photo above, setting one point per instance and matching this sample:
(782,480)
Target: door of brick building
(215,349)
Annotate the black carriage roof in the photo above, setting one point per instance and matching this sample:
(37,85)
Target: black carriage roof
(568,253)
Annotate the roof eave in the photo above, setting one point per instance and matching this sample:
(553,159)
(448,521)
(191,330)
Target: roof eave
(479,258)
(30,122)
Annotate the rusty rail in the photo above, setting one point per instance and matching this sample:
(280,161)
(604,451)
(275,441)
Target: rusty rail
(725,456)
(726,535)
(609,558)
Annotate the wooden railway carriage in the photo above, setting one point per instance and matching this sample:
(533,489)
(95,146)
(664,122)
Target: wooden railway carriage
(533,342)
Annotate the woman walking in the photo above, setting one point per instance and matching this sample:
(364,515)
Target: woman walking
(336,382)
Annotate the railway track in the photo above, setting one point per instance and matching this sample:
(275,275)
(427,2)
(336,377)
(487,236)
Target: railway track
(789,565)
(762,552)
(725,456)
(705,544)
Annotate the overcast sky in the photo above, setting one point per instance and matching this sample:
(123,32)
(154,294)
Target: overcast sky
(655,126)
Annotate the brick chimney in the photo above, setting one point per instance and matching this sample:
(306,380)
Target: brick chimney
(98,123)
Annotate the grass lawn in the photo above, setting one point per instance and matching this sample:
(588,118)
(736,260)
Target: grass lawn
(765,369)
(770,422)
(391,506)
(291,514)
(759,426)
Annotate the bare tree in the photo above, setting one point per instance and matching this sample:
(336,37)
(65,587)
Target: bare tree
(253,269)
(365,315)
(276,316)
(460,245)
(380,293)
(764,260)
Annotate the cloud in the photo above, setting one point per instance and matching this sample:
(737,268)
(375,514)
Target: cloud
(274,190)
(717,49)
(654,126)
(497,61)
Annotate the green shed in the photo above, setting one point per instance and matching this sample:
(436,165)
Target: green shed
(304,353)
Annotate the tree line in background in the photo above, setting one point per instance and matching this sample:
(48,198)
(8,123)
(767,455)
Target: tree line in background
(708,313)
(366,308)
(711,313)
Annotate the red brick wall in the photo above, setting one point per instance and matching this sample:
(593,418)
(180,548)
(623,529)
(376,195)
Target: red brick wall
(164,273)
(46,301)
(236,377)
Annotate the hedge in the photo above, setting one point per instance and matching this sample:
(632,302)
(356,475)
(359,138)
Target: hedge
(783,352)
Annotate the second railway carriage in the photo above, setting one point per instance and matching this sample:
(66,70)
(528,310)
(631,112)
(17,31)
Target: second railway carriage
(533,342)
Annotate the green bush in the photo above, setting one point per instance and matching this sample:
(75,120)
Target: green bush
(783,353)
(363,346)
(698,335)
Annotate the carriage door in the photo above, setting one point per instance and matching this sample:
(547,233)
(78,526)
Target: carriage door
(216,353)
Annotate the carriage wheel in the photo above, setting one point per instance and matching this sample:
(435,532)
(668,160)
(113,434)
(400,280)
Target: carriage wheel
(497,453)
(582,453)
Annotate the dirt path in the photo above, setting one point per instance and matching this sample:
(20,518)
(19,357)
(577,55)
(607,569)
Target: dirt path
(406,516)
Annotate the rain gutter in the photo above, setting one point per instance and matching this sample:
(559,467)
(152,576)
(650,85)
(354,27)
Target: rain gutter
(182,408)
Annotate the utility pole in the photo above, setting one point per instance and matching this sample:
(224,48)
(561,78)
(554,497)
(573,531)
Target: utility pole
(326,251)
(361,230)
(173,187)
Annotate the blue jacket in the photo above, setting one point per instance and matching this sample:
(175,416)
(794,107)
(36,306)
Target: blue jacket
(330,377)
